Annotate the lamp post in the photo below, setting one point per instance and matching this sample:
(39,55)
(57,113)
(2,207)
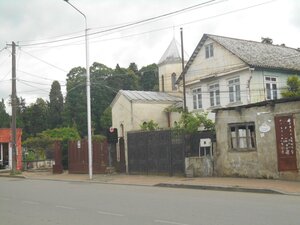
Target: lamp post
(88,92)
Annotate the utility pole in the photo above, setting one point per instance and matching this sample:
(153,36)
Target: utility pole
(183,75)
(14,106)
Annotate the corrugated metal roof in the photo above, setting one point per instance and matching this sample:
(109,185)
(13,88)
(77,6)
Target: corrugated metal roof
(149,96)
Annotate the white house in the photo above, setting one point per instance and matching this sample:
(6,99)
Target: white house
(224,72)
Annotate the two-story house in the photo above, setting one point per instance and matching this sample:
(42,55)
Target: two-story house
(225,72)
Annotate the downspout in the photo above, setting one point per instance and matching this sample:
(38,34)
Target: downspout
(248,85)
(169,119)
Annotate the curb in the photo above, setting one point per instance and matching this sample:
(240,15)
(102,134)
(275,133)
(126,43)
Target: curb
(12,176)
(221,188)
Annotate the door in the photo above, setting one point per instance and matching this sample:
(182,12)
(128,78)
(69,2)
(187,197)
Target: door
(285,138)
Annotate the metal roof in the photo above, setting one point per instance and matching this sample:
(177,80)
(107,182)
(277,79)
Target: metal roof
(149,96)
(171,55)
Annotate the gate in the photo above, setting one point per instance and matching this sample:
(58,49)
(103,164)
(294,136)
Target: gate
(155,152)
(285,138)
(78,157)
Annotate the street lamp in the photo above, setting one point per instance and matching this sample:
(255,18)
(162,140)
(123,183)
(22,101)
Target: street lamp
(88,92)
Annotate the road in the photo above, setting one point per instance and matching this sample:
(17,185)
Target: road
(41,202)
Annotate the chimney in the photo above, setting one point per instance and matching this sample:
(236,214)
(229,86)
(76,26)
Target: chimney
(266,40)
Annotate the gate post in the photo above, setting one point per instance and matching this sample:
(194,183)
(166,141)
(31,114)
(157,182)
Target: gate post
(57,167)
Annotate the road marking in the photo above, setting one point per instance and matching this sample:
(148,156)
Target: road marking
(30,202)
(169,222)
(64,207)
(109,213)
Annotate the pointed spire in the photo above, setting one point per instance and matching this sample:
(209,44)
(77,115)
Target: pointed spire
(172,54)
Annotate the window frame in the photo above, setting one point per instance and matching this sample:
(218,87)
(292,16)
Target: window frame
(173,80)
(244,138)
(214,94)
(209,51)
(271,87)
(235,93)
(197,98)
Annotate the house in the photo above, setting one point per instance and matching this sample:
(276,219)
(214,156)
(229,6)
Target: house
(6,149)
(260,140)
(224,72)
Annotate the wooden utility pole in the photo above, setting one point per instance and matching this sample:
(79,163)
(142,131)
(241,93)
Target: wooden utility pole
(14,106)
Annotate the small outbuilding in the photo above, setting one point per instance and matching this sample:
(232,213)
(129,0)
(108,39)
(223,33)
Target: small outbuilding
(260,140)
(6,149)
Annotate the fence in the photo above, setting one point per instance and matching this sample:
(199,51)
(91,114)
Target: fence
(162,152)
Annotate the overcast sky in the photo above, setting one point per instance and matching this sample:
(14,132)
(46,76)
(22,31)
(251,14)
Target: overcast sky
(34,23)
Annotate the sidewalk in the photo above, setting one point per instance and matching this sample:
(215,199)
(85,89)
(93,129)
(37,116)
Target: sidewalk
(206,183)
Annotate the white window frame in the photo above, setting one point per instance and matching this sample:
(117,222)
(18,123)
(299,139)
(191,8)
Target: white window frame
(234,90)
(197,98)
(271,87)
(209,50)
(214,94)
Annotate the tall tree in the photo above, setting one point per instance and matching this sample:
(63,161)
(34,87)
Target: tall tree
(4,117)
(55,105)
(75,114)
(149,78)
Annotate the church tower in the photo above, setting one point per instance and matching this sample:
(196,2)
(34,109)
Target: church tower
(169,69)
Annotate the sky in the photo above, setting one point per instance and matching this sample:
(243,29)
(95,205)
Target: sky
(50,33)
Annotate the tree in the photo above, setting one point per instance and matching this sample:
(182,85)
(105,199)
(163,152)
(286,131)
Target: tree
(293,87)
(106,119)
(149,126)
(4,117)
(149,78)
(55,105)
(35,117)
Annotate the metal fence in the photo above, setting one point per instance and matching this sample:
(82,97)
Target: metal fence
(162,152)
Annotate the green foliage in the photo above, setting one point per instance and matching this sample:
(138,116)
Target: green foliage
(106,119)
(39,145)
(149,126)
(190,122)
(100,138)
(55,105)
(149,78)
(62,134)
(293,87)
(4,117)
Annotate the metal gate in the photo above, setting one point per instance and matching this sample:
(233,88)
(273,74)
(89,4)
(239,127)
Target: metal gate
(286,148)
(156,152)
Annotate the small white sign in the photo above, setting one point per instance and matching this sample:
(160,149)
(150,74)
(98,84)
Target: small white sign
(205,142)
(264,128)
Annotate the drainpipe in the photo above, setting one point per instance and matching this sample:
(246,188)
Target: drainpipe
(169,119)
(248,85)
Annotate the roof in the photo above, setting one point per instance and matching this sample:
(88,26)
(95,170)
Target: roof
(255,54)
(171,55)
(147,97)
(258,104)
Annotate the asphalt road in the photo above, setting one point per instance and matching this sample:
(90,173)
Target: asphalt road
(39,202)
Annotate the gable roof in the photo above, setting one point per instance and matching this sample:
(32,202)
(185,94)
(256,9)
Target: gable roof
(255,54)
(171,55)
(147,97)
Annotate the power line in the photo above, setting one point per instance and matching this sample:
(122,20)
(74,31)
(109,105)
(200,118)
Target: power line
(130,24)
(50,64)
(40,77)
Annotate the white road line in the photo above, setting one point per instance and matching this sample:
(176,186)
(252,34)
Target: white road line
(109,213)
(30,202)
(169,222)
(64,207)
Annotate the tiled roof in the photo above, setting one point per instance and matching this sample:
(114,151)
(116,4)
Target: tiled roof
(149,96)
(253,53)
(259,54)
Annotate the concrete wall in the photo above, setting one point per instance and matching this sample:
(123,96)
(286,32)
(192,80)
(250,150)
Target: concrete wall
(199,166)
(261,162)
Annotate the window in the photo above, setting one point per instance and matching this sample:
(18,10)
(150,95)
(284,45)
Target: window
(174,82)
(214,94)
(234,90)
(242,136)
(209,51)
(197,98)
(271,88)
